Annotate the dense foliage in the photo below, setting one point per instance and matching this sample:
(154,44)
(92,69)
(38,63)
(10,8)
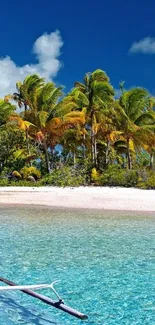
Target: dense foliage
(85,137)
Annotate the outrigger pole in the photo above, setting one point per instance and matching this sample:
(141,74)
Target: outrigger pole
(57,304)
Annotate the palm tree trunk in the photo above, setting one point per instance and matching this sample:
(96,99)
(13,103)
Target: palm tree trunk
(129,161)
(107,153)
(92,142)
(84,147)
(67,158)
(46,157)
(92,148)
(27,136)
(52,158)
(95,151)
(74,159)
(151,160)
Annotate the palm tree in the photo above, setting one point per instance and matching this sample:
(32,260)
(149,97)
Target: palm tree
(6,110)
(76,121)
(26,90)
(45,117)
(95,94)
(107,129)
(41,102)
(24,96)
(136,118)
(70,141)
(52,117)
(42,113)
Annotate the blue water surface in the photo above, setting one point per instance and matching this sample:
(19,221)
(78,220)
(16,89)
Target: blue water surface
(106,264)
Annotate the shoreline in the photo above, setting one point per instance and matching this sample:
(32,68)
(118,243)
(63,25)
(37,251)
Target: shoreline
(96,198)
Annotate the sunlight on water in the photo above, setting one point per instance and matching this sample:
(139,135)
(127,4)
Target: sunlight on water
(106,265)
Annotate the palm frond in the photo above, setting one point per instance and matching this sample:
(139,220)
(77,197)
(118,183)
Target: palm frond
(145,119)
(100,75)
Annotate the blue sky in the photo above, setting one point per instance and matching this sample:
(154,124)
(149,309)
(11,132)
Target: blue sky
(92,34)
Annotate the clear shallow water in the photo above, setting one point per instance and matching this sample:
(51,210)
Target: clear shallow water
(106,265)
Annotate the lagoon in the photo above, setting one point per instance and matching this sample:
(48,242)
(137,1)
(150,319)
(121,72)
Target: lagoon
(105,263)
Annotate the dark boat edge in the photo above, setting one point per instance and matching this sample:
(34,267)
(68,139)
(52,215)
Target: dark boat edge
(56,304)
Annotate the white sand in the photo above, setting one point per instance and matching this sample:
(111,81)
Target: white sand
(125,199)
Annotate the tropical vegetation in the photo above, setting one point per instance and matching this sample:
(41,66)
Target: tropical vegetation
(87,136)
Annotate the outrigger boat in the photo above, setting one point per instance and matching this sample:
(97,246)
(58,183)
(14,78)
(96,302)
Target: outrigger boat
(59,304)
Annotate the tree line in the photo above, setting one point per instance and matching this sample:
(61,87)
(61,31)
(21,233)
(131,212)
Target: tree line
(43,127)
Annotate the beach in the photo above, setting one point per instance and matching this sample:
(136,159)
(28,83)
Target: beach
(105,198)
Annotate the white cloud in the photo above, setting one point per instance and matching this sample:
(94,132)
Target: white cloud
(47,50)
(145,46)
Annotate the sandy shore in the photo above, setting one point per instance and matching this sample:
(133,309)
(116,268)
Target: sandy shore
(125,199)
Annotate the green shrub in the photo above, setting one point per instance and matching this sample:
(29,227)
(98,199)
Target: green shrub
(114,176)
(66,176)
(4,182)
(23,183)
(148,182)
(131,177)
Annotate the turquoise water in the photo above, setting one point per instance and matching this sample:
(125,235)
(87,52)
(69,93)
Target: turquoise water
(106,265)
